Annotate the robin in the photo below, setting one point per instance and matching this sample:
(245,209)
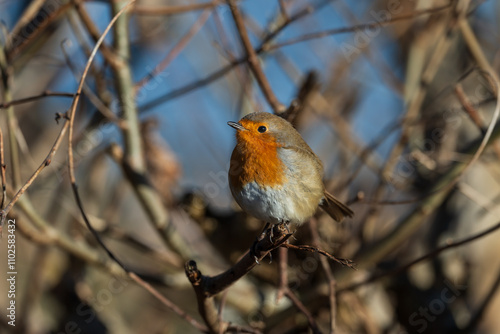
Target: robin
(275,176)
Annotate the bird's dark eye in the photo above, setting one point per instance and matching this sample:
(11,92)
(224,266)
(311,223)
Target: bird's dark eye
(262,129)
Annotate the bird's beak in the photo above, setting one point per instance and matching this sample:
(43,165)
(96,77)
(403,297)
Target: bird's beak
(237,126)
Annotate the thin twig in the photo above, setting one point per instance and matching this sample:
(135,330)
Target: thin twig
(470,110)
(101,85)
(176,50)
(171,10)
(301,307)
(332,283)
(242,73)
(283,9)
(94,99)
(167,302)
(5,105)
(92,29)
(282,273)
(253,60)
(164,255)
(312,249)
(368,151)
(45,163)
(12,124)
(425,257)
(473,114)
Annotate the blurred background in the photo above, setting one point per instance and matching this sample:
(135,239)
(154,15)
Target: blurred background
(394,96)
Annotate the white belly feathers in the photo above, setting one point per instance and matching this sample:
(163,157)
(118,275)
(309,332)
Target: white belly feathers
(274,204)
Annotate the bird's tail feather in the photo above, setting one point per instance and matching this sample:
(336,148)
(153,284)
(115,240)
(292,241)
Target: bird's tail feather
(335,208)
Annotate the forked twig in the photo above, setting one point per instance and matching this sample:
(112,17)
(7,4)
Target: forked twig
(312,249)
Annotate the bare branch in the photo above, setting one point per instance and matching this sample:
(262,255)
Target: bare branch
(35,98)
(176,50)
(171,10)
(206,287)
(312,249)
(283,273)
(253,61)
(358,27)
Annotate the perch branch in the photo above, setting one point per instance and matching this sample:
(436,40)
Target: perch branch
(206,287)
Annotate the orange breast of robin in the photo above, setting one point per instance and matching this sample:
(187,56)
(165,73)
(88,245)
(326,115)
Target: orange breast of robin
(255,158)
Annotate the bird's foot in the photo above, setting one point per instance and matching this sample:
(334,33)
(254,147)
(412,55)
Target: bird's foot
(271,234)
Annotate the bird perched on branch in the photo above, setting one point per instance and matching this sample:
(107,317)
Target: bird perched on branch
(275,176)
